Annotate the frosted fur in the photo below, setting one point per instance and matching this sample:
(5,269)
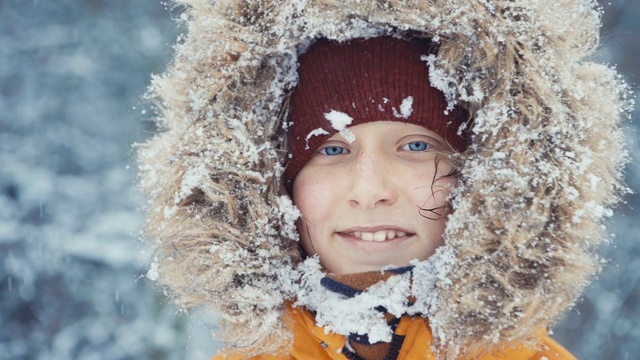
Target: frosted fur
(543,169)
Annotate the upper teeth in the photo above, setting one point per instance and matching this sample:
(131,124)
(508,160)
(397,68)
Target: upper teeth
(381,235)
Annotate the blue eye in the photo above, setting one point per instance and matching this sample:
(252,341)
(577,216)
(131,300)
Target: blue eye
(333,150)
(416,146)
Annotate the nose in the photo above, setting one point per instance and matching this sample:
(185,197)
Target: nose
(371,182)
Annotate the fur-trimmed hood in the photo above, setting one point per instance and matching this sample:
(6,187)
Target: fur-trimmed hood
(542,172)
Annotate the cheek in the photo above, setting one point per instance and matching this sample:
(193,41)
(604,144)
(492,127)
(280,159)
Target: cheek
(316,189)
(429,191)
(442,188)
(314,195)
(307,191)
(421,182)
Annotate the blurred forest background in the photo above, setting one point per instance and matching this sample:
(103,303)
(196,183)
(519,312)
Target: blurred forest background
(72,285)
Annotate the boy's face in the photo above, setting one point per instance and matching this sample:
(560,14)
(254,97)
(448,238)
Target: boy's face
(361,202)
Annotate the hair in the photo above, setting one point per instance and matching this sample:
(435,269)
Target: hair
(454,172)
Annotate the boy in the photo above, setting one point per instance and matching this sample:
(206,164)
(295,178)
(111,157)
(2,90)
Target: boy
(449,201)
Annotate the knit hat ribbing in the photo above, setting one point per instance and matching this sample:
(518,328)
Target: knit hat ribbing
(377,79)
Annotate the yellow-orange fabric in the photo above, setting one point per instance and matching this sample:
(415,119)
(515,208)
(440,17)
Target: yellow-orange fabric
(312,343)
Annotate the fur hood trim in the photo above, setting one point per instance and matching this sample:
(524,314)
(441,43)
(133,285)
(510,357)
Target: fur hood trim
(541,174)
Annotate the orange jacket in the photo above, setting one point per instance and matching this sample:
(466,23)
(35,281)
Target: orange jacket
(312,343)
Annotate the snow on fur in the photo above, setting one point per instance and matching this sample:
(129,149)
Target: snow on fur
(527,217)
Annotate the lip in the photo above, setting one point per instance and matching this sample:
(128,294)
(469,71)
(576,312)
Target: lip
(375,228)
(373,247)
(367,235)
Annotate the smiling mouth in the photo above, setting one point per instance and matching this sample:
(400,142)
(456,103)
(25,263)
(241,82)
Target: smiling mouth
(378,236)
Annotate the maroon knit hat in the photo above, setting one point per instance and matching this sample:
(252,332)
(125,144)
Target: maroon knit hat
(377,79)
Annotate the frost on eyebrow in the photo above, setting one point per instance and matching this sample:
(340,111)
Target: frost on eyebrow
(316,132)
(406,108)
(339,121)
